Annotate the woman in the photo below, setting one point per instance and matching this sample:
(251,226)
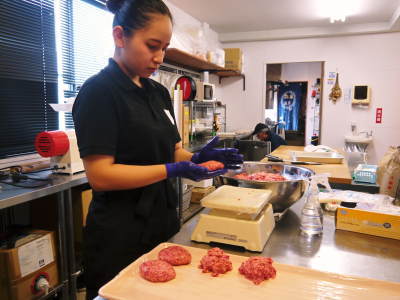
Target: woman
(130,146)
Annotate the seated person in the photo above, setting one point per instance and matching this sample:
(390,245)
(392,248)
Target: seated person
(264,134)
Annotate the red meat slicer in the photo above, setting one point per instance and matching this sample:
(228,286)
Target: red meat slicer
(62,148)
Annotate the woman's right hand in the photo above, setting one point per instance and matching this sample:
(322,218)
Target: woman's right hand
(191,171)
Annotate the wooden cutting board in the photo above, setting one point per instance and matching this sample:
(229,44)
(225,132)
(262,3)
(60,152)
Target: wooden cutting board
(291,282)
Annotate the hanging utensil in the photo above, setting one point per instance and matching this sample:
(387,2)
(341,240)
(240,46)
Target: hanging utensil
(336,91)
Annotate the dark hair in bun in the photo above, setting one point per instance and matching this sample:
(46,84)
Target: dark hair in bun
(114,5)
(136,14)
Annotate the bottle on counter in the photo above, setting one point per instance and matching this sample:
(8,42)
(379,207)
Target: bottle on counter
(215,126)
(311,222)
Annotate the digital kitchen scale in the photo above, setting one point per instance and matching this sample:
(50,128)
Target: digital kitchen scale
(239,216)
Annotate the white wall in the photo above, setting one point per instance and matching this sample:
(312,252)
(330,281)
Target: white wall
(308,72)
(186,30)
(185,24)
(368,59)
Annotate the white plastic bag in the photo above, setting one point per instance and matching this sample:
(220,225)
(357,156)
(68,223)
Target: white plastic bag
(389,172)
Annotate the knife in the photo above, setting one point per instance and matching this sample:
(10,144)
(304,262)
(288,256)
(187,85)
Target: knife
(294,162)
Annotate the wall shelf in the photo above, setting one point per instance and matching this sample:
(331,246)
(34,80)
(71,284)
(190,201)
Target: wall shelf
(178,57)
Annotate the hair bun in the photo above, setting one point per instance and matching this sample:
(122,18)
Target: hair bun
(114,5)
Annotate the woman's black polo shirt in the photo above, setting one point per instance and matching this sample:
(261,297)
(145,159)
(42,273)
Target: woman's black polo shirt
(113,116)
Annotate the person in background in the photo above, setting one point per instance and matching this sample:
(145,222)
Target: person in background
(131,148)
(263,133)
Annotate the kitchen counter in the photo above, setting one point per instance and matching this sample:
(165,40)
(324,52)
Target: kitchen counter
(339,173)
(337,251)
(11,195)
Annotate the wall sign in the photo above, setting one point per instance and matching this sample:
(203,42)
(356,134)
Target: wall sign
(331,78)
(378,116)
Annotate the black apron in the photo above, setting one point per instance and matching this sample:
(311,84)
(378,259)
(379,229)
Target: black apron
(145,218)
(123,225)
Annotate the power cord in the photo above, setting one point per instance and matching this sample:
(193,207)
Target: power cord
(15,174)
(25,185)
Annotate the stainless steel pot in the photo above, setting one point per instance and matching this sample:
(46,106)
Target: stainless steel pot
(284,193)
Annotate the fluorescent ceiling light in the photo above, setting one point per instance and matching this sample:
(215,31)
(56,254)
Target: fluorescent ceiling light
(337,10)
(337,17)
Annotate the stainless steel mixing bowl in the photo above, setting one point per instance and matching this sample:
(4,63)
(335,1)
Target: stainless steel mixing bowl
(284,193)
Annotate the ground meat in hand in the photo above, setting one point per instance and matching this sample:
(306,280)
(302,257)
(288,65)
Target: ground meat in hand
(212,165)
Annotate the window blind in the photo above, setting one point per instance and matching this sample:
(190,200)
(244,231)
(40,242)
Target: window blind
(86,39)
(28,74)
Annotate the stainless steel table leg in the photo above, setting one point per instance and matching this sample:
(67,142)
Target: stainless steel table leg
(69,221)
(62,245)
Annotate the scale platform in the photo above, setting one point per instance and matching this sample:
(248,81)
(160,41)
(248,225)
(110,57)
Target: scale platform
(238,216)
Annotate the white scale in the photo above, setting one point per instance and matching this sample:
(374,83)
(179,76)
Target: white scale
(238,216)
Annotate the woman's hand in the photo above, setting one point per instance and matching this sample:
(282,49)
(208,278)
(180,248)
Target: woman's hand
(191,171)
(228,156)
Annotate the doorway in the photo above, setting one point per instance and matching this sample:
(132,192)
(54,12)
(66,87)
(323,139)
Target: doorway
(293,101)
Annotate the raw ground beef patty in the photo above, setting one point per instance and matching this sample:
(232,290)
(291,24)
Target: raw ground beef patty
(175,255)
(212,165)
(258,269)
(157,271)
(215,262)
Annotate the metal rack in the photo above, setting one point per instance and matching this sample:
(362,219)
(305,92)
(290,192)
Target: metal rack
(60,186)
(202,112)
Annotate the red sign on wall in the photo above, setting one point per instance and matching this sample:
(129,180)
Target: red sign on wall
(378,117)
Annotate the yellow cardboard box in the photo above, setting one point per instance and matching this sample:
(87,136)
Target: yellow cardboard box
(368,222)
(199,193)
(233,59)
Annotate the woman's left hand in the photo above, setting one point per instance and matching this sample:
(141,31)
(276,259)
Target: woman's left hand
(228,156)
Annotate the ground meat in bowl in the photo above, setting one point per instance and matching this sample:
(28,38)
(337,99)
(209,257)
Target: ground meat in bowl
(261,176)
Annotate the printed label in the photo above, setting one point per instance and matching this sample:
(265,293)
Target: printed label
(35,255)
(230,237)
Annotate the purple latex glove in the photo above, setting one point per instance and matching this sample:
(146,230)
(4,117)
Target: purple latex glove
(228,156)
(191,171)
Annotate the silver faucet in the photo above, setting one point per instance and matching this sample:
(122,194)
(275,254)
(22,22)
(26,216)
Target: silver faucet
(368,134)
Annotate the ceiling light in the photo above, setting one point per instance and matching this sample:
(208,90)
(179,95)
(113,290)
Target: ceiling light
(338,18)
(337,10)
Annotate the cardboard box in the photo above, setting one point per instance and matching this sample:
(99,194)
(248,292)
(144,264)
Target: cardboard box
(233,59)
(368,222)
(20,266)
(200,193)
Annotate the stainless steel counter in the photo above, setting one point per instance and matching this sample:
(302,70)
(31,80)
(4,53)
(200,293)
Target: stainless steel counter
(11,195)
(342,252)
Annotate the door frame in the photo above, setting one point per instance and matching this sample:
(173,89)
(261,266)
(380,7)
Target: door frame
(264,89)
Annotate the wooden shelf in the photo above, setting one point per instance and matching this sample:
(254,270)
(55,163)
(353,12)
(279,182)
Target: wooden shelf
(227,73)
(178,57)
(181,58)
